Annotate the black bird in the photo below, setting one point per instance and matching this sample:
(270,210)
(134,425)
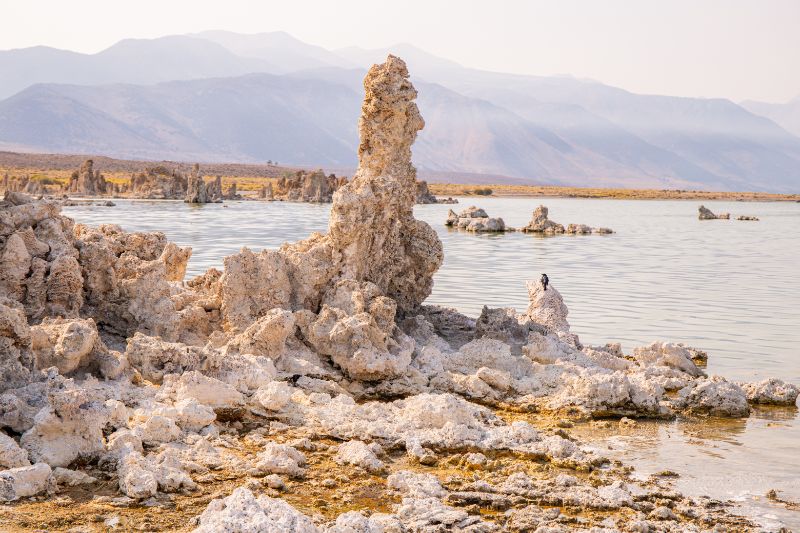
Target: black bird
(295,378)
(545,281)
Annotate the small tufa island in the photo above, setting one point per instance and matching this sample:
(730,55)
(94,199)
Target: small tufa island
(309,389)
(476,220)
(705,213)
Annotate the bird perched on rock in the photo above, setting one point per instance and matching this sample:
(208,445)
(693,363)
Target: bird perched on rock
(545,281)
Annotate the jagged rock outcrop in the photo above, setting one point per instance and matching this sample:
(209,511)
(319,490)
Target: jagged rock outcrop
(266,192)
(705,213)
(198,191)
(303,186)
(158,182)
(372,233)
(88,181)
(476,220)
(540,223)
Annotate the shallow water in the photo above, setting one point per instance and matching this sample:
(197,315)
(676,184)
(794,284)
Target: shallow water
(729,287)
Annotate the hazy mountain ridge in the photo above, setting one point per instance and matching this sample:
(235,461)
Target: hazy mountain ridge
(787,115)
(544,129)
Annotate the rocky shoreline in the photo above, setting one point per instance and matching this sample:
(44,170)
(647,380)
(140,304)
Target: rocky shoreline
(309,389)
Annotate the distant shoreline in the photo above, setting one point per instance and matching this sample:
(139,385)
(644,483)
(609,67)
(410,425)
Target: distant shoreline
(552,191)
(249,177)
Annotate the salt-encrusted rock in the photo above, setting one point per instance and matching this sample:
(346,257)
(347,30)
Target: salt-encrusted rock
(157,429)
(428,422)
(747,217)
(705,213)
(267,335)
(668,354)
(280,459)
(154,357)
(547,308)
(771,392)
(357,453)
(541,224)
(204,389)
(274,396)
(476,220)
(416,485)
(70,344)
(713,396)
(244,512)
(430,514)
(68,427)
(11,455)
(356,329)
(71,478)
(25,481)
(16,360)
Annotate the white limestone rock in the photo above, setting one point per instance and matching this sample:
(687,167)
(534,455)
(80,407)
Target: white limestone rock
(771,392)
(357,453)
(242,512)
(713,396)
(203,389)
(274,396)
(416,485)
(11,455)
(280,459)
(25,481)
(668,354)
(70,478)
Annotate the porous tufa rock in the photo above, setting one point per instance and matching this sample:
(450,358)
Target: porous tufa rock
(243,511)
(280,459)
(16,360)
(274,396)
(714,396)
(475,220)
(356,329)
(203,389)
(11,455)
(541,224)
(771,392)
(371,222)
(68,427)
(154,358)
(70,478)
(72,344)
(358,453)
(548,309)
(25,481)
(670,355)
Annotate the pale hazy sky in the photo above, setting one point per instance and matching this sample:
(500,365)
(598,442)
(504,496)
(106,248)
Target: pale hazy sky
(739,49)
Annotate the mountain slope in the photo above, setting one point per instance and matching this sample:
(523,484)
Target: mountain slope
(786,115)
(139,61)
(250,118)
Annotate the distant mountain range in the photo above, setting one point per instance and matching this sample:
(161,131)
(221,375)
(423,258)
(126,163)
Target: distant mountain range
(222,96)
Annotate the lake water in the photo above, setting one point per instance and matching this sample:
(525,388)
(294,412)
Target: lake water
(728,287)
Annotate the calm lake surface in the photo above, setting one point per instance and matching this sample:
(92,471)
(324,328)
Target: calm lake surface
(726,286)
